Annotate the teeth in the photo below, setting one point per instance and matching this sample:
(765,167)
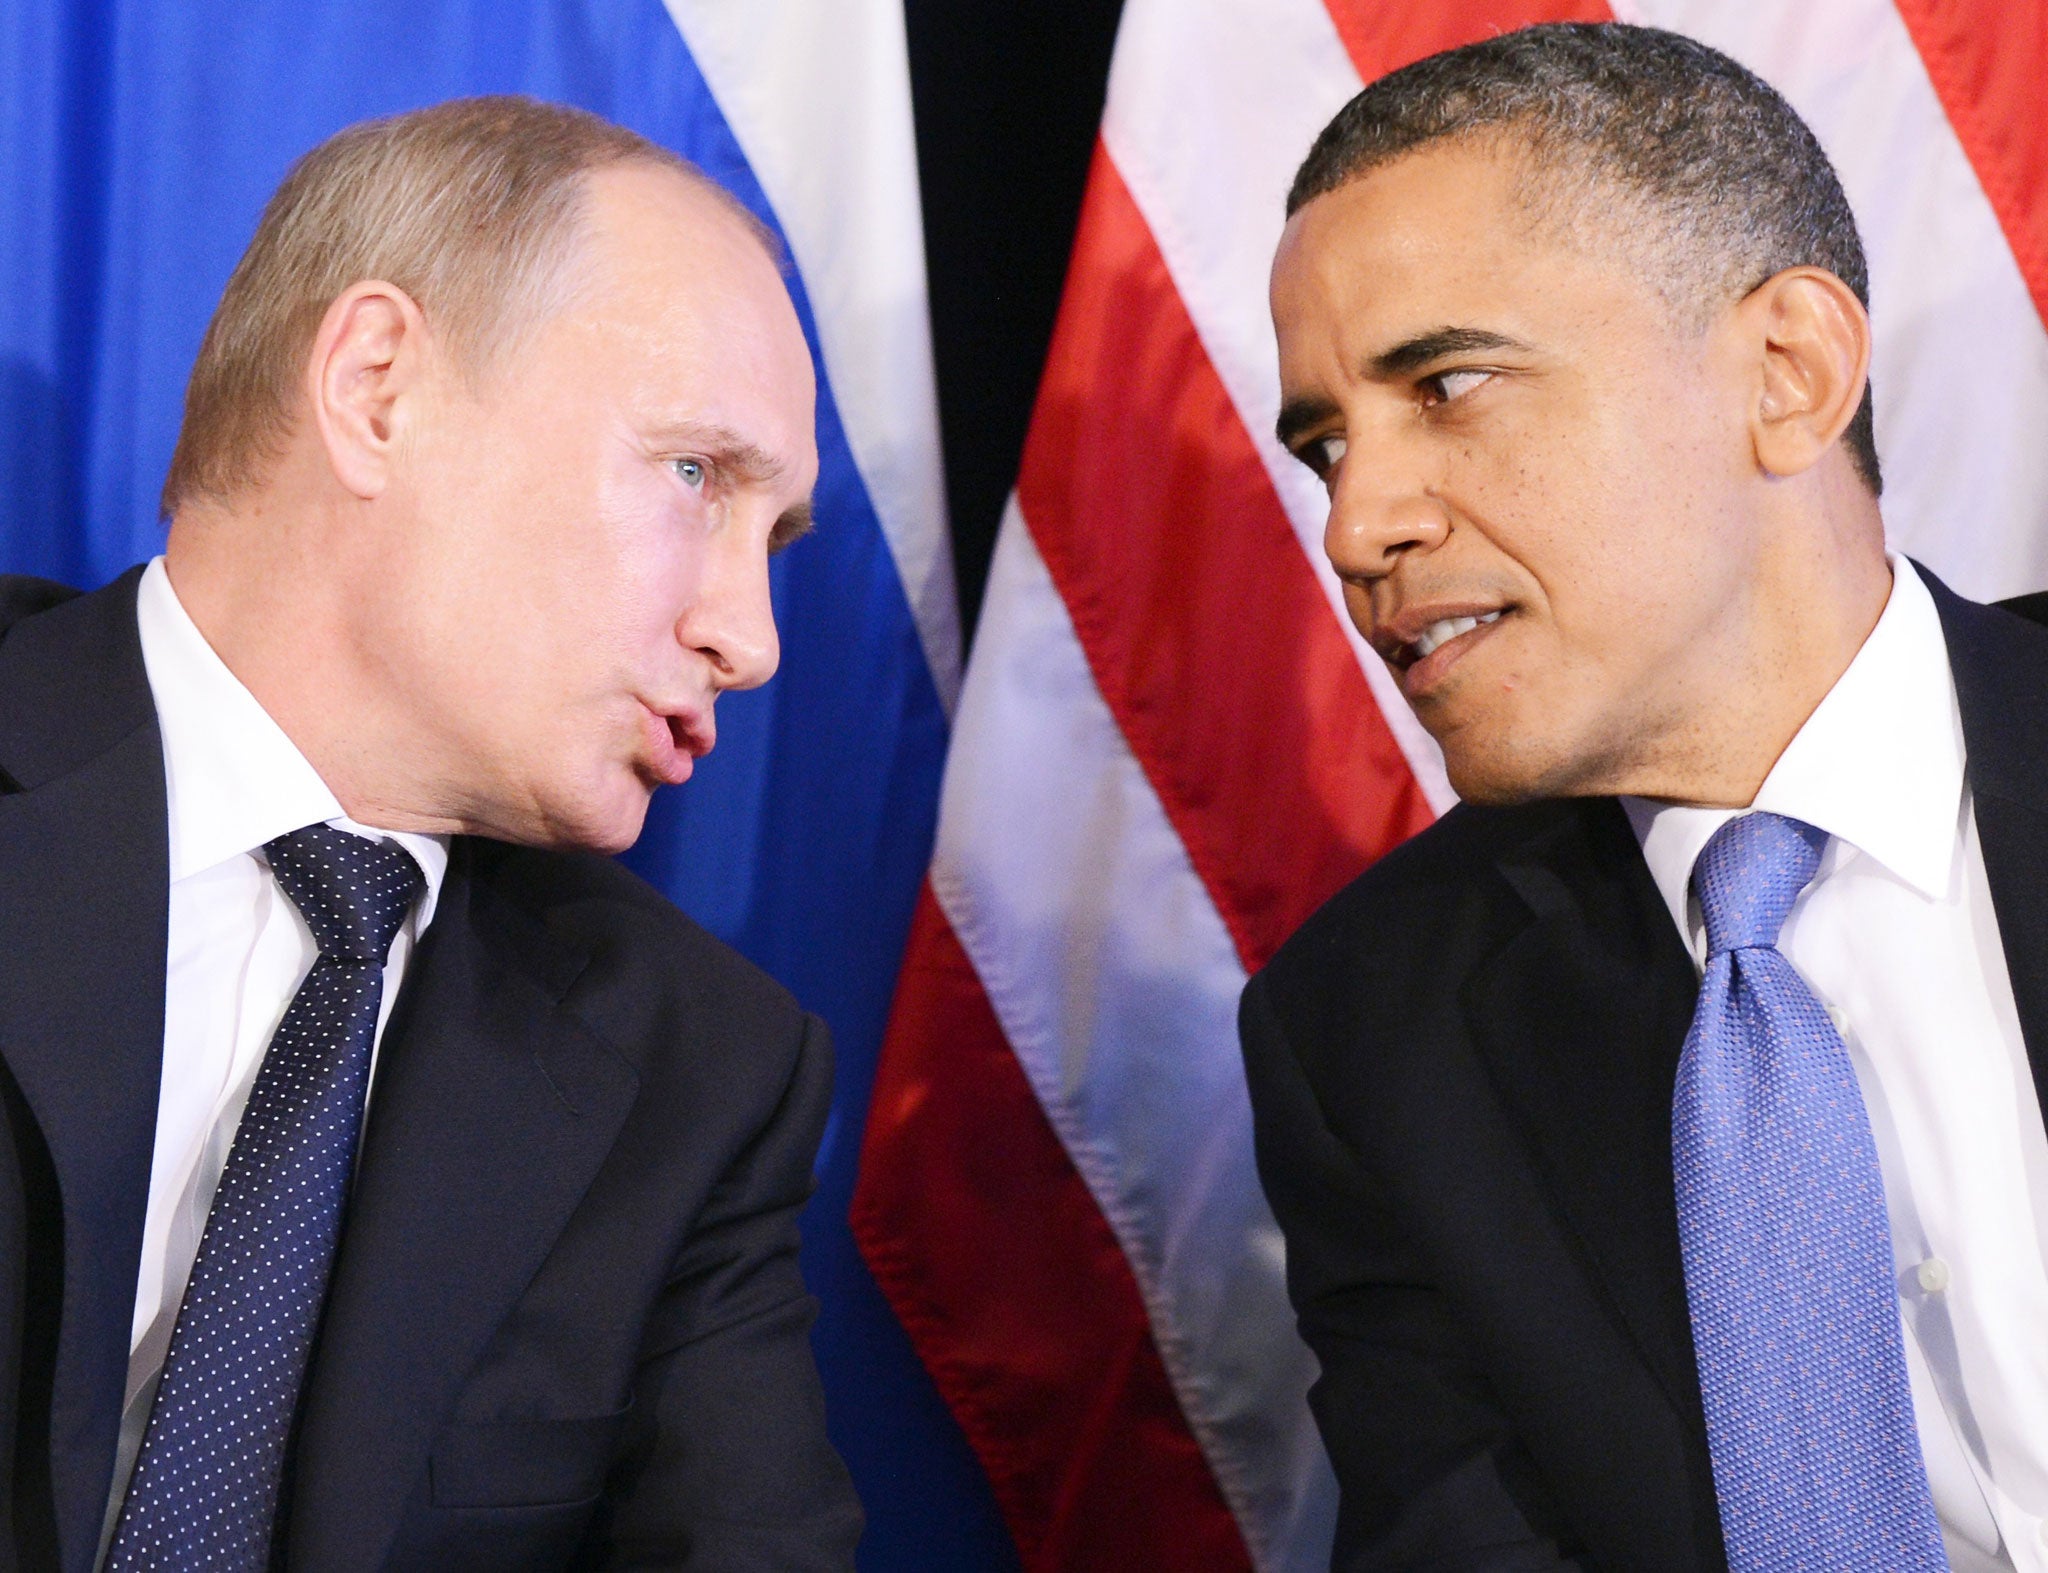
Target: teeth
(1444,631)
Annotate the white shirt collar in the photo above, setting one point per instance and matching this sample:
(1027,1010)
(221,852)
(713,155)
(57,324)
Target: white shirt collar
(1878,765)
(233,778)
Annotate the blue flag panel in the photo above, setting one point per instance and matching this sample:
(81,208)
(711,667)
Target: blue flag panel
(138,143)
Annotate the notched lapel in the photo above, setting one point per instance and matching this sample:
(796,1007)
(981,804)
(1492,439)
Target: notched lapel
(493,1110)
(1580,1019)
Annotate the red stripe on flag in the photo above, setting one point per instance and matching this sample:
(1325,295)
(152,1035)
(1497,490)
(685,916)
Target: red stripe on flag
(1380,37)
(993,1254)
(1987,60)
(1202,621)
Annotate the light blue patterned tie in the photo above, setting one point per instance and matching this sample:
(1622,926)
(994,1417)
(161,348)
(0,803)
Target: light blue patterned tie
(207,1483)
(1788,1254)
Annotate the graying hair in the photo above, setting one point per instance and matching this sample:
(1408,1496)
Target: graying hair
(1738,184)
(473,207)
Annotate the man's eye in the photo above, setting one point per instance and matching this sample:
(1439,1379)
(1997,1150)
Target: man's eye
(1448,385)
(1322,455)
(691,471)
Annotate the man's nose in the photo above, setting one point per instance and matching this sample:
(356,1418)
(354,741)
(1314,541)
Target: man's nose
(1380,508)
(733,622)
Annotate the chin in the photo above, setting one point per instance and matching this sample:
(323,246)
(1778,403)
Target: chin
(1491,766)
(606,821)
(609,840)
(1505,772)
(1490,790)
(616,831)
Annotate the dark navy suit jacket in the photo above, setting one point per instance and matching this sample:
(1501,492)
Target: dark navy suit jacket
(1461,1074)
(565,1327)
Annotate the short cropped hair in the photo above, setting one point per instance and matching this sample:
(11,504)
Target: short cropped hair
(1732,176)
(471,207)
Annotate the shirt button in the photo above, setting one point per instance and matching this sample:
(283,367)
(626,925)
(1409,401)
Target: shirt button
(1933,1276)
(1840,1018)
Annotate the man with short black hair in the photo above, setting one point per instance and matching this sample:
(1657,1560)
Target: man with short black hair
(387,1178)
(1656,1137)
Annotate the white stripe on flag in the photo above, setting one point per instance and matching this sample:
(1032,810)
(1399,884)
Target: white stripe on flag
(1116,984)
(792,78)
(1106,963)
(1961,364)
(1212,106)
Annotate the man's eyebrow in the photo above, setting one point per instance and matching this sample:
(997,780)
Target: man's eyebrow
(1298,415)
(746,461)
(1419,351)
(1311,410)
(792,527)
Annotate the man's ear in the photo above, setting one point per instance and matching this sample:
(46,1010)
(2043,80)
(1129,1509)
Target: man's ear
(369,354)
(1814,336)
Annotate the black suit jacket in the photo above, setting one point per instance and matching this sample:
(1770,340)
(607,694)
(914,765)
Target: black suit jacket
(565,1327)
(1462,1073)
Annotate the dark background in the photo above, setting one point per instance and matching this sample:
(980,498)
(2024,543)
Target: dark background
(1008,94)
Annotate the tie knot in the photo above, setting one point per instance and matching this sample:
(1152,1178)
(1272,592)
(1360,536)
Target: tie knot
(353,892)
(1748,876)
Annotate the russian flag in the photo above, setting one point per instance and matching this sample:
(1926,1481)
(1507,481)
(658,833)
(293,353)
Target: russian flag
(138,142)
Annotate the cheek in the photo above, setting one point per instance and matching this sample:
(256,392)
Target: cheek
(645,561)
(1358,603)
(1617,499)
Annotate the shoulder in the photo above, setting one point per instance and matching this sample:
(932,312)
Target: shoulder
(1423,888)
(1402,939)
(1999,629)
(627,958)
(1998,660)
(2034,607)
(72,682)
(22,597)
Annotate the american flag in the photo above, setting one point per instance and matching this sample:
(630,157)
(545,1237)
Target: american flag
(1171,746)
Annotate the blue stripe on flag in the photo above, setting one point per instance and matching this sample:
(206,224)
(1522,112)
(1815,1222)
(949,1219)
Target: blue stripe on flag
(139,143)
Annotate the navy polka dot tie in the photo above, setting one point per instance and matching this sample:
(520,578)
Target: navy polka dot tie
(207,1482)
(1788,1255)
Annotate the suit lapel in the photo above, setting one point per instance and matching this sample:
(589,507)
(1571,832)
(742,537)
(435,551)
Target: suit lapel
(479,1061)
(2000,665)
(1582,1014)
(1580,1018)
(84,879)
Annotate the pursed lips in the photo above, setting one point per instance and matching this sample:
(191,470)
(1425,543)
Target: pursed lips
(680,735)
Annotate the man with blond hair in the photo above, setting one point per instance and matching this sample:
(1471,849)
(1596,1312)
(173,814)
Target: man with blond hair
(387,1178)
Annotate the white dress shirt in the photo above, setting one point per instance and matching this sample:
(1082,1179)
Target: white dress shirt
(1897,937)
(238,951)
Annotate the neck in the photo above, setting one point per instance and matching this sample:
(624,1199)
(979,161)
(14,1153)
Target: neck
(276,590)
(1814,602)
